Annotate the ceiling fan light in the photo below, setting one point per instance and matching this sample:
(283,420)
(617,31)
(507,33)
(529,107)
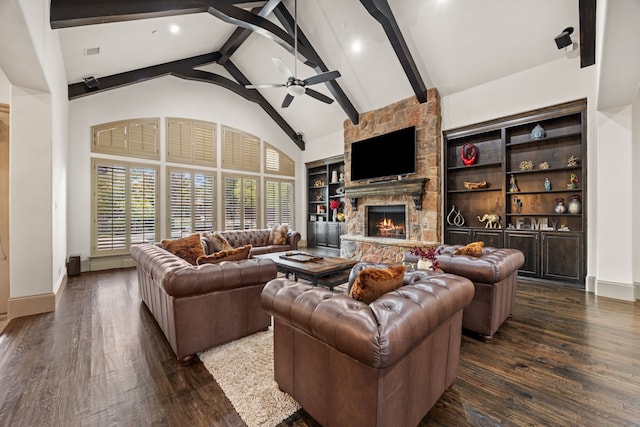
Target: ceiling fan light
(295,90)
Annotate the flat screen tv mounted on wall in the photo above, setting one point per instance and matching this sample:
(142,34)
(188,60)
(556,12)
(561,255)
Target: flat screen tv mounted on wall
(383,156)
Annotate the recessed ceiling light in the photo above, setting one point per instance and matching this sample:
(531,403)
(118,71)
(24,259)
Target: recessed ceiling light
(174,28)
(356,46)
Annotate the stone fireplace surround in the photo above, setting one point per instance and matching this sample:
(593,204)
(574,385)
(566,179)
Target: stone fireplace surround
(419,193)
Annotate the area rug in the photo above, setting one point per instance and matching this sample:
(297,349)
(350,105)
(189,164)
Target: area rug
(244,370)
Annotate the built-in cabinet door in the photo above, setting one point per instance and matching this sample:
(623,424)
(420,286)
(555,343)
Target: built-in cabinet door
(458,236)
(333,235)
(492,238)
(321,233)
(562,256)
(311,235)
(528,243)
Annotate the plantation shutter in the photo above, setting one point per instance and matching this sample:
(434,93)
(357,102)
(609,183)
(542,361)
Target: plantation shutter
(143,139)
(240,151)
(136,138)
(276,162)
(111,200)
(279,202)
(240,202)
(191,202)
(110,138)
(143,205)
(124,206)
(191,141)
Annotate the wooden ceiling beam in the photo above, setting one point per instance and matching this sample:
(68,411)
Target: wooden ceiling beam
(73,13)
(382,13)
(338,94)
(240,35)
(259,25)
(77,90)
(587,13)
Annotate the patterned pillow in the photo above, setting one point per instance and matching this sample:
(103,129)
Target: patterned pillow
(216,242)
(229,255)
(473,249)
(187,248)
(278,236)
(372,283)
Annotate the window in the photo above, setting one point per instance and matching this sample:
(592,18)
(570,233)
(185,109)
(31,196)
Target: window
(279,206)
(135,138)
(240,202)
(276,162)
(240,150)
(124,206)
(191,202)
(191,141)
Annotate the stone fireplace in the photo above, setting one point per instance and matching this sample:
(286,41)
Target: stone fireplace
(417,196)
(386,221)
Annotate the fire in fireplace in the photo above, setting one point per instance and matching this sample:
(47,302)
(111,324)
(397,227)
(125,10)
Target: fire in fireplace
(386,221)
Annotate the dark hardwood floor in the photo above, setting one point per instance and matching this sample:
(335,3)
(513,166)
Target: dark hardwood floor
(565,358)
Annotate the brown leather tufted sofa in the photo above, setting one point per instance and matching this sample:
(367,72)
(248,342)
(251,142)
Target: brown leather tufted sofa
(259,240)
(494,275)
(198,307)
(383,364)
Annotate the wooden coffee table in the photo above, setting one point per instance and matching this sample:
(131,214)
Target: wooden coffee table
(319,270)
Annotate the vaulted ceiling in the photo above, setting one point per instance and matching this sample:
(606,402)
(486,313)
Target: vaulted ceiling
(385,50)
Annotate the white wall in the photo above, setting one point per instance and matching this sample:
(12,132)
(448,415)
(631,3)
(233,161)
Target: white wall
(162,97)
(635,179)
(551,83)
(38,147)
(5,88)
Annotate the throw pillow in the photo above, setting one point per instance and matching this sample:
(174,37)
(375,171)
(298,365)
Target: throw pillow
(229,255)
(372,283)
(216,242)
(278,235)
(473,249)
(188,248)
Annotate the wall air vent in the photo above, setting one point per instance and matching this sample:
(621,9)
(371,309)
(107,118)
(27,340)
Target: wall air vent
(91,51)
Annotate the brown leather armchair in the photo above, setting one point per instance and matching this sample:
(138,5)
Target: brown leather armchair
(382,364)
(494,276)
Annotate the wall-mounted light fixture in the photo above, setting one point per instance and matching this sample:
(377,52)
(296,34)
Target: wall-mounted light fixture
(564,38)
(91,82)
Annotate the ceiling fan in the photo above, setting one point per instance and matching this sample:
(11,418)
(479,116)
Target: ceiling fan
(295,86)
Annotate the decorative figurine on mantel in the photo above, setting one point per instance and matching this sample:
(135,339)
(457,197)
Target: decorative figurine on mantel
(513,186)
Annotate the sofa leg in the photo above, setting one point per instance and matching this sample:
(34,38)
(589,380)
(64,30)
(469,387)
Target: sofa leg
(486,338)
(186,361)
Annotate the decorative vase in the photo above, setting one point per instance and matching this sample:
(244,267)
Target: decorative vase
(560,207)
(424,264)
(335,215)
(575,205)
(334,176)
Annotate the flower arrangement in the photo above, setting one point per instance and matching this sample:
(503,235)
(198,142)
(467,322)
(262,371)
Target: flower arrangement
(334,204)
(429,255)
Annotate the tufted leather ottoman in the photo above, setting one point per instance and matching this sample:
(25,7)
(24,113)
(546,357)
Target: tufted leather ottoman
(494,276)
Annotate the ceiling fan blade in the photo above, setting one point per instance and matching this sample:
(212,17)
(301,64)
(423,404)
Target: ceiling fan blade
(319,96)
(322,77)
(283,68)
(264,86)
(287,101)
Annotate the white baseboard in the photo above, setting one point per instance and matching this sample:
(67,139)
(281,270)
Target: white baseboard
(107,263)
(590,284)
(29,305)
(623,291)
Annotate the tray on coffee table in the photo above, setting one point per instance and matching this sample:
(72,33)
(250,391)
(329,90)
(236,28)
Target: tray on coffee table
(300,256)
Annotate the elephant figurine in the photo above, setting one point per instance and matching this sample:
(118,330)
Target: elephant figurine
(493,220)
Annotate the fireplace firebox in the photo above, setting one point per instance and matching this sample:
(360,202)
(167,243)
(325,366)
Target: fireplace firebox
(387,221)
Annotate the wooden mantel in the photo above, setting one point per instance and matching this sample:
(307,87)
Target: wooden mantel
(415,187)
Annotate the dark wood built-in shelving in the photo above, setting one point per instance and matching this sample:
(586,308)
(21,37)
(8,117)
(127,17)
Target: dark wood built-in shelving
(556,254)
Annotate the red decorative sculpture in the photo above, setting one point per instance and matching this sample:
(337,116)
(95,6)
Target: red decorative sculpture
(469,154)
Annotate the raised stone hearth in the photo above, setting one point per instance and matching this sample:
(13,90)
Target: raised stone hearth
(419,193)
